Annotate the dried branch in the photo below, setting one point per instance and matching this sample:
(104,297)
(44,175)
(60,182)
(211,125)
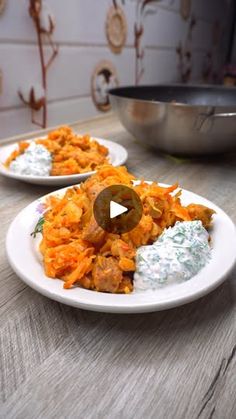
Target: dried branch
(44,25)
(142,6)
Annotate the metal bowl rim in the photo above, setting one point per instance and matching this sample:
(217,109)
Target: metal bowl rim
(115,93)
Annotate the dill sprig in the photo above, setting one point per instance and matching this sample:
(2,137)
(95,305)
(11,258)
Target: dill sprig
(39,227)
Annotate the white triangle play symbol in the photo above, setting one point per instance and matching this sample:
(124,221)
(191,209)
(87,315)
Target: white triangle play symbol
(116,209)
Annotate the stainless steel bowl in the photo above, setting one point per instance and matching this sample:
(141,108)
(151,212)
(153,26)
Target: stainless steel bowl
(179,119)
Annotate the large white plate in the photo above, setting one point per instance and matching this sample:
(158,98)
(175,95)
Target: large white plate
(117,156)
(26,262)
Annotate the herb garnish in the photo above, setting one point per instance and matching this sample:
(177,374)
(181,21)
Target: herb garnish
(38,227)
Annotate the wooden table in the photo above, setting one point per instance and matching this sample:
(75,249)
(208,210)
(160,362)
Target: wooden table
(61,362)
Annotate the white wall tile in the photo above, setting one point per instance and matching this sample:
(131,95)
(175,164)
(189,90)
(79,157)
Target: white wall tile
(77,21)
(161,67)
(18,121)
(15,22)
(164,28)
(80,33)
(69,76)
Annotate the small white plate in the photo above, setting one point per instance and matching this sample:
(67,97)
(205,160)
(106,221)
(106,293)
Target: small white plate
(26,261)
(117,156)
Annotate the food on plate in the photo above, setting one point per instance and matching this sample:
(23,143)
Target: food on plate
(62,153)
(177,255)
(78,251)
(36,160)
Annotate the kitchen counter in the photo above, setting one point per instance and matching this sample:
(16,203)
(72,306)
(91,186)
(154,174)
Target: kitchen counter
(61,362)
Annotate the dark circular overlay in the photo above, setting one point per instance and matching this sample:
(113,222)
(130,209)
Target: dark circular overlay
(122,195)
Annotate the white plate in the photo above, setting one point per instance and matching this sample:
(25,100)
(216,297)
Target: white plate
(26,262)
(117,156)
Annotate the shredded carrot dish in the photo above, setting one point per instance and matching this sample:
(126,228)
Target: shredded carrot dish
(78,251)
(71,153)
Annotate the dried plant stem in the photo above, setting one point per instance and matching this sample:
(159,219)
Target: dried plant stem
(35,104)
(138,34)
(43,71)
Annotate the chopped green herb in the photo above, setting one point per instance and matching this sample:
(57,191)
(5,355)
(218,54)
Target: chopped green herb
(38,227)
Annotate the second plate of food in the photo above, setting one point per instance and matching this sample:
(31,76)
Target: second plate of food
(63,157)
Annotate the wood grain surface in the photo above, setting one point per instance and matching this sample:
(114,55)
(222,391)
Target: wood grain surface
(61,362)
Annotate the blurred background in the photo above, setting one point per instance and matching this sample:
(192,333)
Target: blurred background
(59,58)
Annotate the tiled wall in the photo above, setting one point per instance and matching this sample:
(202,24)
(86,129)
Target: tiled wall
(80,34)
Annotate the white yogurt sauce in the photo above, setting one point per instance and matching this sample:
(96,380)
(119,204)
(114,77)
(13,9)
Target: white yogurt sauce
(35,161)
(178,254)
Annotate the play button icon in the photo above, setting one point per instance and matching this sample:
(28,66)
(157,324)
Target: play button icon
(117,209)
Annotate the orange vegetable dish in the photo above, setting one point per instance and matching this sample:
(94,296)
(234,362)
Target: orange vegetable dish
(71,153)
(78,251)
